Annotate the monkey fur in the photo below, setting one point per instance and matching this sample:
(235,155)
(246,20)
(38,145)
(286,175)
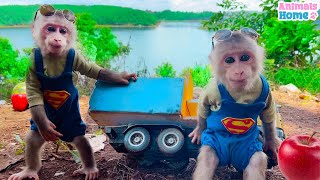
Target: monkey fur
(237,64)
(55,36)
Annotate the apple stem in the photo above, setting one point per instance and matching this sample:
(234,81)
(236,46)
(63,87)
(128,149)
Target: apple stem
(311,137)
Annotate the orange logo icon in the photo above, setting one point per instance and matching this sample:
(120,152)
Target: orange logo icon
(237,126)
(56,98)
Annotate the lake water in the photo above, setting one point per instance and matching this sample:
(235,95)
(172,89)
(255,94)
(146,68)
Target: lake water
(182,44)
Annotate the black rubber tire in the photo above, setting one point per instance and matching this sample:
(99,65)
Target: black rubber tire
(170,140)
(137,139)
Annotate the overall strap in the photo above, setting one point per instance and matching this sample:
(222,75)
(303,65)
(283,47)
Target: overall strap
(69,62)
(225,95)
(38,60)
(265,90)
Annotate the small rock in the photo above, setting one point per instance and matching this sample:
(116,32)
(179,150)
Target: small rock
(2,102)
(59,173)
(289,88)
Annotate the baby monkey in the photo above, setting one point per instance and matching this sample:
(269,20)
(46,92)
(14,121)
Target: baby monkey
(229,108)
(51,91)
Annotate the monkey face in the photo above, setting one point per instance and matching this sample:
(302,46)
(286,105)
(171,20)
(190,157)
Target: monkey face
(237,61)
(239,69)
(54,32)
(55,38)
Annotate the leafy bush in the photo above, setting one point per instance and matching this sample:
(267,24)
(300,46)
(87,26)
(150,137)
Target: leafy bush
(230,19)
(12,68)
(7,87)
(290,42)
(200,75)
(10,64)
(165,70)
(304,78)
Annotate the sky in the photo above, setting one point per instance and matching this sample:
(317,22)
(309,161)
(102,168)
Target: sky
(153,5)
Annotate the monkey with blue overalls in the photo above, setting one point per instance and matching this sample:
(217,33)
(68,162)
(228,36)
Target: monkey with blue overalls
(230,105)
(51,91)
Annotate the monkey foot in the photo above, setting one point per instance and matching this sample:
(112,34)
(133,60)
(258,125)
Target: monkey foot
(91,173)
(27,173)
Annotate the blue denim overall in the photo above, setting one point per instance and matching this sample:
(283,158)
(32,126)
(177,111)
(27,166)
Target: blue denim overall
(60,99)
(232,130)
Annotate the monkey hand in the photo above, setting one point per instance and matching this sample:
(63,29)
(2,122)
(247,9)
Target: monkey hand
(124,77)
(48,132)
(271,147)
(25,174)
(195,135)
(91,173)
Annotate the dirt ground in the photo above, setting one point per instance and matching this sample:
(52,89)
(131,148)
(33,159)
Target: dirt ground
(299,117)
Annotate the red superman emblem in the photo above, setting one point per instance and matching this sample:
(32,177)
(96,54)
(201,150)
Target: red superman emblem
(56,98)
(237,126)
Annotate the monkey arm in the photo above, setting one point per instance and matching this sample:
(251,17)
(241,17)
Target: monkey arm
(34,94)
(209,100)
(45,126)
(109,76)
(94,71)
(268,118)
(38,115)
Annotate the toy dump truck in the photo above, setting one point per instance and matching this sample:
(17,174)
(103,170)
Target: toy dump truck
(150,119)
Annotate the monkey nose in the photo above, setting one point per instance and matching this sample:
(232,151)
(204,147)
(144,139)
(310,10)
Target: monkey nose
(239,72)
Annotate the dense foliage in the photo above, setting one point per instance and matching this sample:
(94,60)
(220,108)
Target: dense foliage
(11,65)
(103,15)
(233,16)
(304,78)
(13,68)
(98,45)
(290,43)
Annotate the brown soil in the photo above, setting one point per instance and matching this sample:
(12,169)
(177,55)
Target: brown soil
(299,117)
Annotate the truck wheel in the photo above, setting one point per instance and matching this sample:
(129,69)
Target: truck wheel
(137,139)
(170,140)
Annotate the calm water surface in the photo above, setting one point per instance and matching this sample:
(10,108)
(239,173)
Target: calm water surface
(182,44)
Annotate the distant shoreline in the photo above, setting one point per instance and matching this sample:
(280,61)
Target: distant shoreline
(108,25)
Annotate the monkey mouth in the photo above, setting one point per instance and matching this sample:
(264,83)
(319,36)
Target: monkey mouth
(238,81)
(55,46)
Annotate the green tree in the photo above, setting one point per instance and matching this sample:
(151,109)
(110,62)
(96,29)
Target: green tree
(233,16)
(107,47)
(11,65)
(97,44)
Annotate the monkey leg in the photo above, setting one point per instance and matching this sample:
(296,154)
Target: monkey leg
(34,142)
(256,169)
(207,163)
(89,166)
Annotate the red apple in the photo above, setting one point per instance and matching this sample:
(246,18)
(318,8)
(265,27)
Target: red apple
(19,102)
(299,158)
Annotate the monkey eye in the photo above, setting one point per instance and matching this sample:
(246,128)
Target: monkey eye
(229,60)
(51,29)
(245,57)
(63,31)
